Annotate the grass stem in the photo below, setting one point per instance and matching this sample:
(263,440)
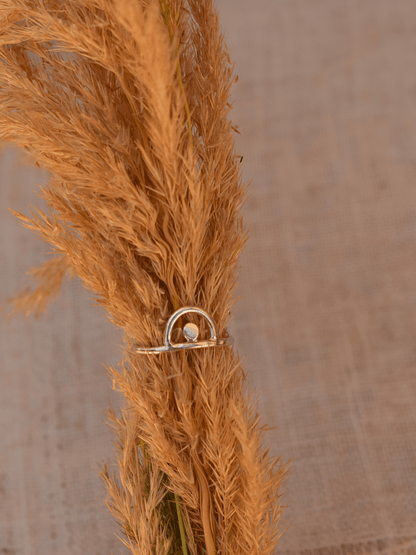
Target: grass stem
(181,527)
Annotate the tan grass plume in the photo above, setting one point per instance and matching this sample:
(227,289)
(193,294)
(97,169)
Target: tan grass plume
(126,104)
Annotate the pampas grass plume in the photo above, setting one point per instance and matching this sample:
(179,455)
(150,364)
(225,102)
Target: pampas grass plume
(126,104)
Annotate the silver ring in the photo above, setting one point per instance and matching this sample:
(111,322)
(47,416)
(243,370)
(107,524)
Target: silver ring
(190,332)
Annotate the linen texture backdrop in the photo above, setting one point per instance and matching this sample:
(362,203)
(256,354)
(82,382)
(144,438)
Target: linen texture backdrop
(326,108)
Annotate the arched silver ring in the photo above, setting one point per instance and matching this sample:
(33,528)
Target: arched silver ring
(190,332)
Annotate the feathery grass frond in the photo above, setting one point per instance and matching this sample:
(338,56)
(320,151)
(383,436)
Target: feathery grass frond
(126,104)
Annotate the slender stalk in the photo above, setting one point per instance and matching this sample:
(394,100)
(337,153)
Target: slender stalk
(165,9)
(188,113)
(183,537)
(145,455)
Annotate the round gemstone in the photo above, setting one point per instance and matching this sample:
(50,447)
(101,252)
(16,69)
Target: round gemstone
(190,332)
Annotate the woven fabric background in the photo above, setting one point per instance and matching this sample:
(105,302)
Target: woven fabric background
(326,107)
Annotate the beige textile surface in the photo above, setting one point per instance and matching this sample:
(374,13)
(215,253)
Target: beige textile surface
(326,106)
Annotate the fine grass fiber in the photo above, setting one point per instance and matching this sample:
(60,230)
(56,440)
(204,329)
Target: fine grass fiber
(126,103)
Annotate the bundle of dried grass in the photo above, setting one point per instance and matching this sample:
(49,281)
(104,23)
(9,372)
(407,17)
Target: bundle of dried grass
(126,104)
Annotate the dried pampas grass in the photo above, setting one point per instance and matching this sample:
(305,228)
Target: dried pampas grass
(126,104)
